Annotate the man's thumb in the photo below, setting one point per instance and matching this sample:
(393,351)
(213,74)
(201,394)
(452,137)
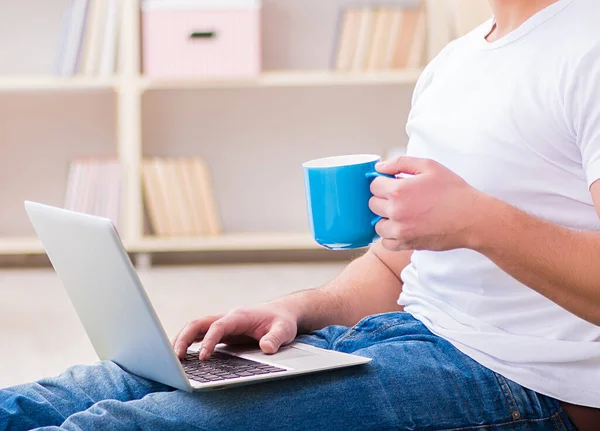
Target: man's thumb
(272,340)
(405,165)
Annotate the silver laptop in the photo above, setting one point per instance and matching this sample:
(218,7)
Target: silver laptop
(121,323)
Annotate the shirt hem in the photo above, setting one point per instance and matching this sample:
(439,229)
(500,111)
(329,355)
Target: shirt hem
(527,379)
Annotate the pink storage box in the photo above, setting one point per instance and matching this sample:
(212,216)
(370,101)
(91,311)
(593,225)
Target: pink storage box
(201,38)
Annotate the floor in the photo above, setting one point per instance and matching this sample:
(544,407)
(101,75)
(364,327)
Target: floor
(40,334)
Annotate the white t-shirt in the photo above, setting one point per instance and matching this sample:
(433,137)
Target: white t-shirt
(518,119)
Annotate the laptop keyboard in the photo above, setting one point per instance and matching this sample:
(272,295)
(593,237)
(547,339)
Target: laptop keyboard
(222,366)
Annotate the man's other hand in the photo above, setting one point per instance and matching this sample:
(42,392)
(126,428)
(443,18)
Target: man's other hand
(430,209)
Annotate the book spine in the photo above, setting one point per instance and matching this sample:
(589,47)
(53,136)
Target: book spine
(153,198)
(347,39)
(176,199)
(378,39)
(204,185)
(417,55)
(63,39)
(393,39)
(166,207)
(94,42)
(109,45)
(363,44)
(74,37)
(405,40)
(194,203)
(73,179)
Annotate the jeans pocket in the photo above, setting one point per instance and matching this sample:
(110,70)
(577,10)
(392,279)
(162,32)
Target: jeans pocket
(509,398)
(371,327)
(526,405)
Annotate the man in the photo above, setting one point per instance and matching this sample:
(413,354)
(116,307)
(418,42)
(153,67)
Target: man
(491,245)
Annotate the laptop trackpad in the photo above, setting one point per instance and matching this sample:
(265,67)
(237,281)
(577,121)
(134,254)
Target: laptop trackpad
(285,353)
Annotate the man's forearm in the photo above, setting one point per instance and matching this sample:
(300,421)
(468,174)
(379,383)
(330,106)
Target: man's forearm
(366,286)
(559,263)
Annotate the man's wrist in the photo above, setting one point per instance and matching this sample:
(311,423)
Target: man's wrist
(307,308)
(490,218)
(297,305)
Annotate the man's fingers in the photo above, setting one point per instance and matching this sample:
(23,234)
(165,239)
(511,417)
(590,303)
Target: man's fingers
(379,206)
(217,331)
(272,340)
(406,165)
(387,229)
(190,333)
(384,187)
(176,337)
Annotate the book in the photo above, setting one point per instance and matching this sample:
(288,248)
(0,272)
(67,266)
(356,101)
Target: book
(93,196)
(396,18)
(179,198)
(405,38)
(84,204)
(207,198)
(92,14)
(74,36)
(382,29)
(94,38)
(363,44)
(347,39)
(108,55)
(182,222)
(417,53)
(113,195)
(192,198)
(382,38)
(94,187)
(64,34)
(154,199)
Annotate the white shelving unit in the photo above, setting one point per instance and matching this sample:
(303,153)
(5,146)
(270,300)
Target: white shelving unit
(50,83)
(128,90)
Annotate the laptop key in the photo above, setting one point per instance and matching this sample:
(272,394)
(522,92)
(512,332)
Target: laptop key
(214,378)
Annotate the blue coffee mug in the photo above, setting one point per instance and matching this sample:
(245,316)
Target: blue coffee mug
(337,196)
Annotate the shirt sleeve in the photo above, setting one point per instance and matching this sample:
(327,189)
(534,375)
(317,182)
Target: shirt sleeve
(584,111)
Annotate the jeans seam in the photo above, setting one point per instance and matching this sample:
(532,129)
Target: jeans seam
(352,334)
(336,344)
(354,329)
(552,418)
(558,422)
(515,414)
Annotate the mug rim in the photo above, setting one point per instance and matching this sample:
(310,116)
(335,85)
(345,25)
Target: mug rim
(336,161)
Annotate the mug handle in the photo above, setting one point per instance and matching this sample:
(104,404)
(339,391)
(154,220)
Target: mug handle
(371,176)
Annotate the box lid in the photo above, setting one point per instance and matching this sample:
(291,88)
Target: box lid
(200,4)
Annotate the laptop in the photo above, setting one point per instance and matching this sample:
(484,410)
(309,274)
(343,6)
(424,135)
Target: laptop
(123,327)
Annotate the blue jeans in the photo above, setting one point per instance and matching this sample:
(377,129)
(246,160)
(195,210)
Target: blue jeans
(416,381)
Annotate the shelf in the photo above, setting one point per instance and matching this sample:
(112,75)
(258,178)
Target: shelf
(55,83)
(27,83)
(20,246)
(290,79)
(227,242)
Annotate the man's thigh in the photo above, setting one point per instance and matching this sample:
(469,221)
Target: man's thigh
(415,381)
